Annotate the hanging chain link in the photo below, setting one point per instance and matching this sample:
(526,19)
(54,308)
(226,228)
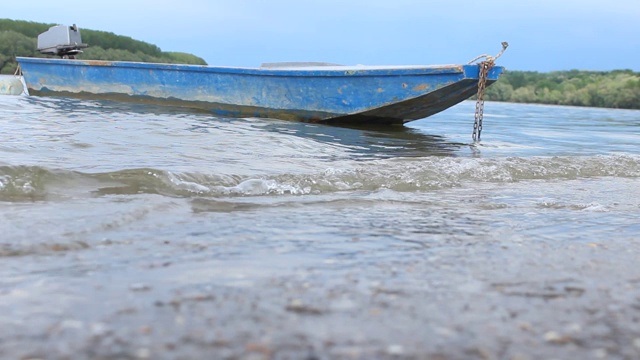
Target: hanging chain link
(483,72)
(483,68)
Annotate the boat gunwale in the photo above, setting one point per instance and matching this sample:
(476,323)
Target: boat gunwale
(314,71)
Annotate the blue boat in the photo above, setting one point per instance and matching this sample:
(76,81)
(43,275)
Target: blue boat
(313,92)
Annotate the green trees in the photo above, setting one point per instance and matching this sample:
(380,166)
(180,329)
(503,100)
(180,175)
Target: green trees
(614,89)
(13,44)
(18,38)
(108,40)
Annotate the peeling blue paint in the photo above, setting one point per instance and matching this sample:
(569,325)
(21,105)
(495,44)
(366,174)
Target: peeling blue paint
(369,94)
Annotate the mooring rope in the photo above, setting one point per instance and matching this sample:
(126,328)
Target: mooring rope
(505,45)
(483,71)
(18,74)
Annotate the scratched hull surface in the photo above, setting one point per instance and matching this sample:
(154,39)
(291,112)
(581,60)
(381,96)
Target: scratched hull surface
(357,94)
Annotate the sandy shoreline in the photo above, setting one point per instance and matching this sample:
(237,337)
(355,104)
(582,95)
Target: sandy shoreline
(486,300)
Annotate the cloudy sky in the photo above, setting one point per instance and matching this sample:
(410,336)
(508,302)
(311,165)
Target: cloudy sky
(544,35)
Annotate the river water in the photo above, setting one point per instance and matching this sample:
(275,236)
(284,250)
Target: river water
(134,231)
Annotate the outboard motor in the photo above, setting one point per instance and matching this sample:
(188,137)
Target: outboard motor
(61,40)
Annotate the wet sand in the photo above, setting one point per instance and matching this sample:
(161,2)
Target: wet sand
(482,300)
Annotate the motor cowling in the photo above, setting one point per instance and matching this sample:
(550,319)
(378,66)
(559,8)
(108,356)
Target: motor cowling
(61,40)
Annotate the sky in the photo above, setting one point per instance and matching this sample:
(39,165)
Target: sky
(544,35)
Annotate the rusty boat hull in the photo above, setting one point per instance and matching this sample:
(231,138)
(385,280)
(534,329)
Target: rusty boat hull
(317,93)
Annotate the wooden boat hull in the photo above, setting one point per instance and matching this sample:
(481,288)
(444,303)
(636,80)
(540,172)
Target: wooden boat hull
(333,94)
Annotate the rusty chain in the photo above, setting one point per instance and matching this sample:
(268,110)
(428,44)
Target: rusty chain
(483,72)
(483,69)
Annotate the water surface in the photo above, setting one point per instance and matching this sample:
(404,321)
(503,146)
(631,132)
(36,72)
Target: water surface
(135,231)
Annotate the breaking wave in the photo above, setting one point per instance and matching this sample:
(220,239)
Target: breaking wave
(33,183)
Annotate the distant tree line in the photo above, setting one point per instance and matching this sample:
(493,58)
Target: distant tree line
(19,38)
(612,89)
